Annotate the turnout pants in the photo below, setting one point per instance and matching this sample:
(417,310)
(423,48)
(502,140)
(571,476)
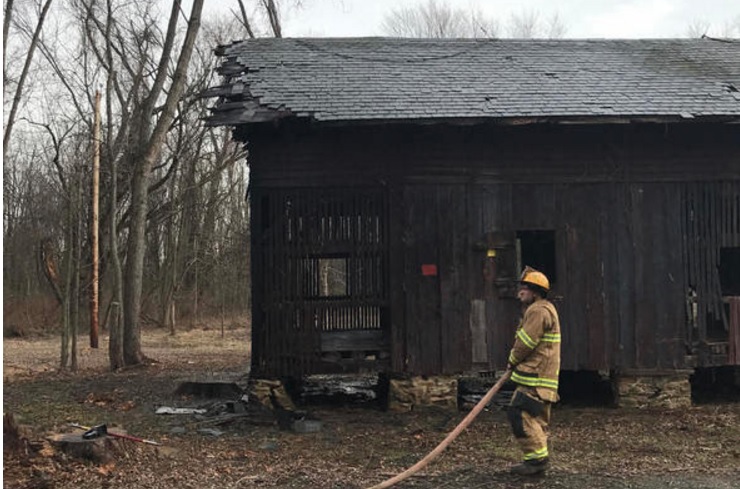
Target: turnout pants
(529,417)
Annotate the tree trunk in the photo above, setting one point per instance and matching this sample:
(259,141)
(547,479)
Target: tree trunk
(74,312)
(169,275)
(197,292)
(69,257)
(133,279)
(134,273)
(245,19)
(115,339)
(272,15)
(94,299)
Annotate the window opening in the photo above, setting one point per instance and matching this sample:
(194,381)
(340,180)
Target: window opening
(333,277)
(325,277)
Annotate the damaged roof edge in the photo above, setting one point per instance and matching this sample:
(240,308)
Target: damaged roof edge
(234,116)
(232,112)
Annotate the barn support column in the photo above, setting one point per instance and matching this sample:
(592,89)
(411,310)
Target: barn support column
(666,389)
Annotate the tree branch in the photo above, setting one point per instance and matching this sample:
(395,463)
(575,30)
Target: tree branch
(244,19)
(6,26)
(24,74)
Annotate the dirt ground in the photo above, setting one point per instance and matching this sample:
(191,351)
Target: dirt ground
(357,447)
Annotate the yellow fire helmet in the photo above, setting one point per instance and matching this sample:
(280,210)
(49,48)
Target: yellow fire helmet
(535,277)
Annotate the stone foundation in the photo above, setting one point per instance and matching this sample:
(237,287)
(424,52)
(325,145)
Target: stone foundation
(416,392)
(658,391)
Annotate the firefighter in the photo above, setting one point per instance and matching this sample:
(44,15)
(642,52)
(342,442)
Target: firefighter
(535,364)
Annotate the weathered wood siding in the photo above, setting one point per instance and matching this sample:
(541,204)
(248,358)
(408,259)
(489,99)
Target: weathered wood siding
(639,213)
(437,301)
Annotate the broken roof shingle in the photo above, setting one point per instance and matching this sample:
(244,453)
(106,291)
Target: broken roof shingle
(391,79)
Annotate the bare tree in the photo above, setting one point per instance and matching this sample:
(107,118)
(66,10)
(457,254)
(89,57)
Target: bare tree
(437,19)
(524,25)
(530,24)
(67,158)
(160,165)
(143,162)
(731,28)
(698,28)
(555,28)
(701,28)
(24,72)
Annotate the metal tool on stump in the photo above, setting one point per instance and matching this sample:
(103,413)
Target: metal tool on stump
(102,430)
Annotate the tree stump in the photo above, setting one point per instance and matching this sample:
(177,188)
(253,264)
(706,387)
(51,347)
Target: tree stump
(99,450)
(15,441)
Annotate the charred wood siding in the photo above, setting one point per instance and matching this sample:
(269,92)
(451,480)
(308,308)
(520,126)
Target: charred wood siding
(435,236)
(320,258)
(619,269)
(492,154)
(638,214)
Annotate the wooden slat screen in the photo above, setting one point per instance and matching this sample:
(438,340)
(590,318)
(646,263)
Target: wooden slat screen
(324,256)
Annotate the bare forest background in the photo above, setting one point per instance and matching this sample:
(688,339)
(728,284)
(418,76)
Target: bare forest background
(174,215)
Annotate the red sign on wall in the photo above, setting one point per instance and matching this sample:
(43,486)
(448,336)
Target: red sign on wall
(429,270)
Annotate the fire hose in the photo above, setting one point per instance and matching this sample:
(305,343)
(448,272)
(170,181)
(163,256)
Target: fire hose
(450,437)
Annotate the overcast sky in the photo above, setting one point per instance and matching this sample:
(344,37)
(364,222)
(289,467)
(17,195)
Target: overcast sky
(582,18)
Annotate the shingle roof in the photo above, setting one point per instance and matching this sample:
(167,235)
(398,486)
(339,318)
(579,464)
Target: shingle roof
(379,79)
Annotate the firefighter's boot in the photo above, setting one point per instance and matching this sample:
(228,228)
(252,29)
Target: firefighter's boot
(530,467)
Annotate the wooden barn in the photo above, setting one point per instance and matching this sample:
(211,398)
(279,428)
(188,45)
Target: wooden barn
(399,186)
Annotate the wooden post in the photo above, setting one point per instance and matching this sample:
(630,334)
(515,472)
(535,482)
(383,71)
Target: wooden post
(94,301)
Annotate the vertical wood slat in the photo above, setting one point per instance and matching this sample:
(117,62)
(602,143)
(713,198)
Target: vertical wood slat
(455,347)
(672,315)
(686,233)
(257,329)
(612,234)
(711,219)
(598,354)
(422,316)
(702,252)
(409,278)
(395,276)
(626,282)
(698,209)
(506,312)
(719,210)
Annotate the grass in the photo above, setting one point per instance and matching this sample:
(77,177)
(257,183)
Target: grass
(611,448)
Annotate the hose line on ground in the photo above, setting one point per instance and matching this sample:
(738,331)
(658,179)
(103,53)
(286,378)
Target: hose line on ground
(450,437)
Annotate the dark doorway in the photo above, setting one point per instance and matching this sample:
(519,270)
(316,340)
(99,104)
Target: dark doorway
(537,250)
(729,271)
